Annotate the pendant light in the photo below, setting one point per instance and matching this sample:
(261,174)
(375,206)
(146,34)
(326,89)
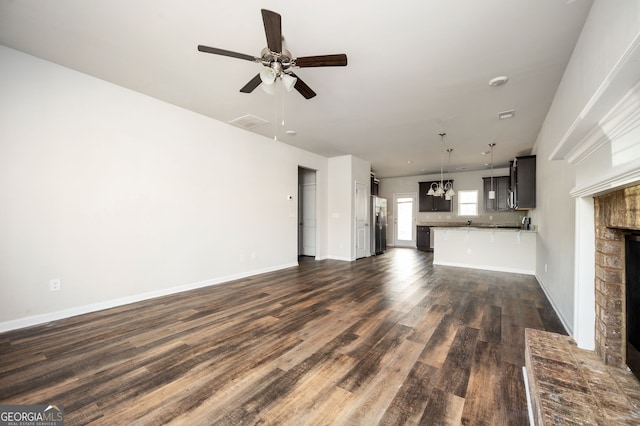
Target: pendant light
(439,189)
(449,185)
(492,193)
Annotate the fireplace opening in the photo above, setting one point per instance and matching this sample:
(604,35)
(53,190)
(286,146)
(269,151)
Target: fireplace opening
(632,272)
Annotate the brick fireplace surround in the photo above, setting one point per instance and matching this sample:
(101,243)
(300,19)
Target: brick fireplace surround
(615,214)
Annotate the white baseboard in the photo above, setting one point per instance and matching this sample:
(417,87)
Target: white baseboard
(94,307)
(565,324)
(346,259)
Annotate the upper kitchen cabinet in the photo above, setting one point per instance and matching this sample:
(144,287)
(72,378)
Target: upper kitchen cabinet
(501,185)
(375,185)
(430,203)
(523,183)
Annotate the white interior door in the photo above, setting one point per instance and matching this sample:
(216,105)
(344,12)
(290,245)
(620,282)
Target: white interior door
(362,221)
(308,221)
(404,223)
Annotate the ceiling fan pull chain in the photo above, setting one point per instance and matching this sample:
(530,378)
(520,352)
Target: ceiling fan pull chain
(282,108)
(275,117)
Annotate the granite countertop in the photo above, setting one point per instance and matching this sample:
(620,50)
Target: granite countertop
(477,226)
(442,224)
(483,228)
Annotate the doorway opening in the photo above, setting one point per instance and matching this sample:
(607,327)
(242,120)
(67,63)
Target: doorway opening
(404,206)
(307,214)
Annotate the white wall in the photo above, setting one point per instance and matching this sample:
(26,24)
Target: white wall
(340,208)
(122,196)
(611,30)
(344,171)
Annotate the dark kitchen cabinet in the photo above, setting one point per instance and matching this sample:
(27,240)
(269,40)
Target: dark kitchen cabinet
(523,183)
(423,238)
(430,203)
(501,185)
(375,185)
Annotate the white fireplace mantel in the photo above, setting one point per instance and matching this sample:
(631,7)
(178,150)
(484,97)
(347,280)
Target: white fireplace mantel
(605,99)
(606,158)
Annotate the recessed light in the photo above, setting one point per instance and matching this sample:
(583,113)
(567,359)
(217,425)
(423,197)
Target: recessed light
(506,114)
(409,161)
(498,81)
(291,132)
(485,153)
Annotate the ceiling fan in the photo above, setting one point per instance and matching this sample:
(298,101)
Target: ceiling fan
(277,61)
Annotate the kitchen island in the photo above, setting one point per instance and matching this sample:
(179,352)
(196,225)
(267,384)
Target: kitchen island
(490,248)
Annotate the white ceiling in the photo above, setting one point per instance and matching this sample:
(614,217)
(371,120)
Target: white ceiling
(416,68)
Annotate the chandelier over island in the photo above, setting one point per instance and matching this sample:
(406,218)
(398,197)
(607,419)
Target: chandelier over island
(440,189)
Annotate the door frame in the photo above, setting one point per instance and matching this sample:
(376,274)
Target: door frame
(413,195)
(365,227)
(301,182)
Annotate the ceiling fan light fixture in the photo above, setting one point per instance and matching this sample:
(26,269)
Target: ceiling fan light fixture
(268,75)
(289,81)
(269,88)
(276,60)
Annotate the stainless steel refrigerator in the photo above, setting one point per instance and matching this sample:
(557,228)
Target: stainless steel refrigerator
(378,225)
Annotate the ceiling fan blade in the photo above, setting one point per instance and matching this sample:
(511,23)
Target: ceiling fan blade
(302,87)
(216,51)
(339,60)
(251,85)
(273,30)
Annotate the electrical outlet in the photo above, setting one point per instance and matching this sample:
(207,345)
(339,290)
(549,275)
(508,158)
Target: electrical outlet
(54,285)
(545,267)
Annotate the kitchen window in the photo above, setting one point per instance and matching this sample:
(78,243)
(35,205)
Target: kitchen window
(468,203)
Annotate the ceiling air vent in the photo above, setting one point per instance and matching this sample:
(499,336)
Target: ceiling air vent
(248,121)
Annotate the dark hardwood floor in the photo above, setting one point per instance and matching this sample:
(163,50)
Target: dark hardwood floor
(390,339)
